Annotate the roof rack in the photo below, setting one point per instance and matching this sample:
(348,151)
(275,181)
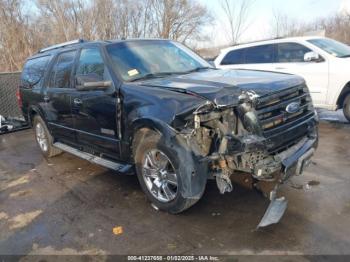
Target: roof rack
(77,41)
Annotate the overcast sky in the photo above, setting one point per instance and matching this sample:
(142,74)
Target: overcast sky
(261,16)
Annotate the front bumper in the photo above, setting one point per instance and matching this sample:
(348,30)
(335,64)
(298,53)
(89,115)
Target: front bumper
(292,161)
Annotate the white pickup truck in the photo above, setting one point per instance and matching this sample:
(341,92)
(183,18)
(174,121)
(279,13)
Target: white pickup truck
(324,64)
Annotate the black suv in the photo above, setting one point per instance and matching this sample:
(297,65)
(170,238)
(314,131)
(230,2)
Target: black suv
(156,107)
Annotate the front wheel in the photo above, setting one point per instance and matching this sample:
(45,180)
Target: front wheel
(157,168)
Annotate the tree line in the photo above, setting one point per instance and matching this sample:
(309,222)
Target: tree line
(26,26)
(336,26)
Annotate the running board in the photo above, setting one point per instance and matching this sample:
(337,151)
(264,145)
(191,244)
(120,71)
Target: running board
(92,158)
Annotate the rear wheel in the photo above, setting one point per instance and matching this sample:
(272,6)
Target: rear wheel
(157,168)
(43,138)
(346,107)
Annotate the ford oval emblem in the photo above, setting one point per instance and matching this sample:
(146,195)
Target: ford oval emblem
(293,107)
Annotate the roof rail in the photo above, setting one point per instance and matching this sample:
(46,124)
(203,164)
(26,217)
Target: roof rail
(77,41)
(260,40)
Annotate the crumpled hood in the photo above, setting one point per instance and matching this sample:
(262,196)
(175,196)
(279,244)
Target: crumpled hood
(224,86)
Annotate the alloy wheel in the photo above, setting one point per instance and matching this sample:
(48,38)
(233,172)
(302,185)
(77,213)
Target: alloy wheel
(159,175)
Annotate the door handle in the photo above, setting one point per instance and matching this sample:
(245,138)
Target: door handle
(46,98)
(280,68)
(77,101)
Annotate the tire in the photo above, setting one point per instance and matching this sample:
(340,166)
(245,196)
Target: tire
(44,138)
(346,107)
(148,143)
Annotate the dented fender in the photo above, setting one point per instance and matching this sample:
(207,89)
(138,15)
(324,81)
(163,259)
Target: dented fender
(193,172)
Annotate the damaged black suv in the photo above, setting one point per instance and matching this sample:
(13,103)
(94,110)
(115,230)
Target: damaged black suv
(156,107)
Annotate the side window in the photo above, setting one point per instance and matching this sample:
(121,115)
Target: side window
(291,53)
(33,71)
(91,63)
(234,57)
(61,71)
(262,54)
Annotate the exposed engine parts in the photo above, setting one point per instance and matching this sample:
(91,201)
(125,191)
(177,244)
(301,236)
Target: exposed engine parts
(223,180)
(232,141)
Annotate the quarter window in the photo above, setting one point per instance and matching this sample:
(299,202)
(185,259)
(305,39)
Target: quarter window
(33,71)
(291,53)
(61,72)
(234,57)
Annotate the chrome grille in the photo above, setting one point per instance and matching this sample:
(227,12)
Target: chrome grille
(277,123)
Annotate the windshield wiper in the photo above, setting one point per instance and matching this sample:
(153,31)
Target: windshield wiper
(162,74)
(197,69)
(344,56)
(152,75)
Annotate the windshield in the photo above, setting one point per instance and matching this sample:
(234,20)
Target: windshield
(135,60)
(332,47)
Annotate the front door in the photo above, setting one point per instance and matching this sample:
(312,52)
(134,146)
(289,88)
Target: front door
(95,111)
(290,59)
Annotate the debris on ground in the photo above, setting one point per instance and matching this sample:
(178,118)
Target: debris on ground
(154,207)
(295,185)
(171,246)
(9,124)
(118,230)
(311,183)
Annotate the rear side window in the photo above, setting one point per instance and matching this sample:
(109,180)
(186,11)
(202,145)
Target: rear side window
(262,54)
(61,72)
(234,57)
(33,71)
(91,62)
(291,53)
(251,55)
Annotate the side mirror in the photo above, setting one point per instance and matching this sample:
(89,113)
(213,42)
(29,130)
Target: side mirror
(312,57)
(91,82)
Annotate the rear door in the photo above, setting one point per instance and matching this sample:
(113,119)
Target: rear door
(95,111)
(57,97)
(290,59)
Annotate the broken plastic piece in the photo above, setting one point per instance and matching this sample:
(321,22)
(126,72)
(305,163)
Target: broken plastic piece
(274,212)
(224,183)
(154,207)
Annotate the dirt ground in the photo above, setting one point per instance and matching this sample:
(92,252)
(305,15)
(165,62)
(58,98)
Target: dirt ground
(68,206)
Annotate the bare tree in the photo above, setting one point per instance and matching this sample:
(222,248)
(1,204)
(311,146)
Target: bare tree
(17,37)
(336,26)
(62,20)
(179,19)
(283,25)
(236,16)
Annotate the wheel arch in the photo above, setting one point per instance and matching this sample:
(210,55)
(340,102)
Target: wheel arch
(156,125)
(195,172)
(343,94)
(32,112)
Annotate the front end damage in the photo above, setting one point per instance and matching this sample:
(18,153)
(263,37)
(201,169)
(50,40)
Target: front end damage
(256,142)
